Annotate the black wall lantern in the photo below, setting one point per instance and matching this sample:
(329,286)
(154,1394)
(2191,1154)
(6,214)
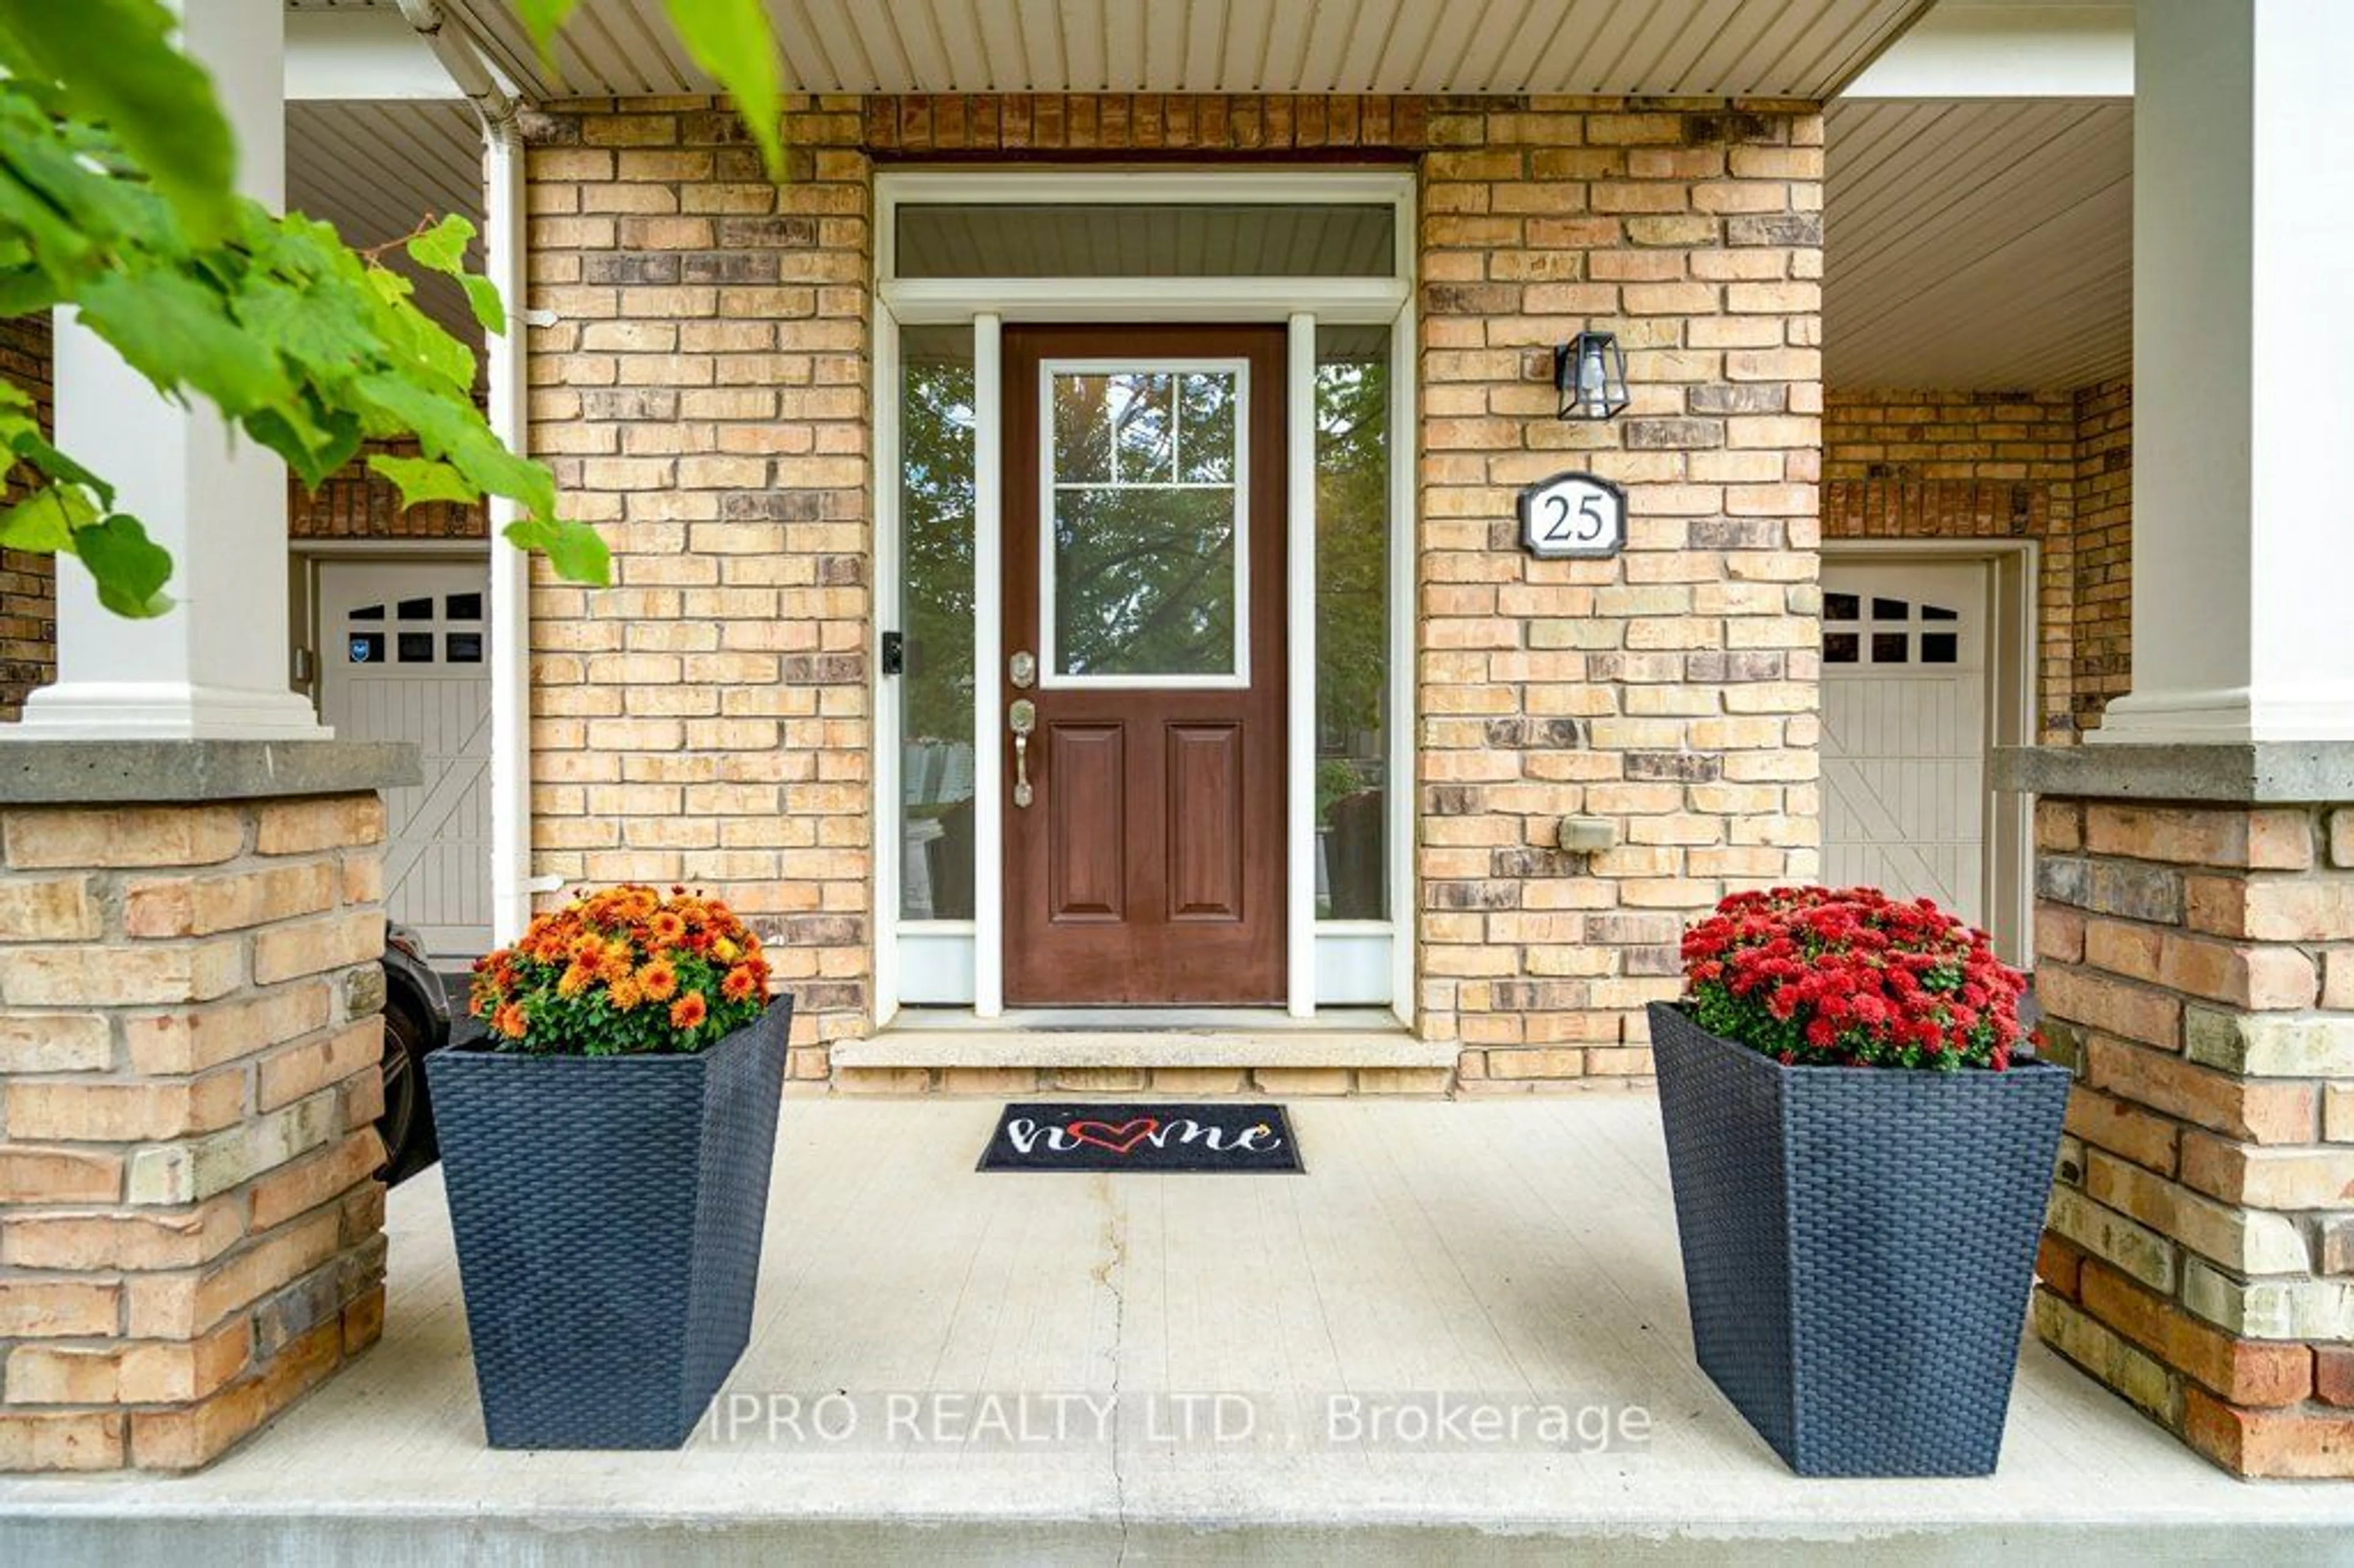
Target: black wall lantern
(1590,372)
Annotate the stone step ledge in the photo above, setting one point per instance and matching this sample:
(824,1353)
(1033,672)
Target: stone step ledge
(942,1048)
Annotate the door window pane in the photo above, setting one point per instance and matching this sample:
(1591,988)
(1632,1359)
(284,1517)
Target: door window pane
(1145,523)
(936,610)
(1353,664)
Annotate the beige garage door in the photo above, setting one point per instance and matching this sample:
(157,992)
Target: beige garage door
(1906,730)
(402,652)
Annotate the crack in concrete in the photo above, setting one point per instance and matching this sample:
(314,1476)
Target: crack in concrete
(1107,1274)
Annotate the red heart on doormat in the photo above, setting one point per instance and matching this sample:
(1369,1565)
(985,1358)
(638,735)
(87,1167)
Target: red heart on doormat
(1118,1140)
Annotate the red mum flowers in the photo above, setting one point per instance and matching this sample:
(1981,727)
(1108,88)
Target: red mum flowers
(1850,978)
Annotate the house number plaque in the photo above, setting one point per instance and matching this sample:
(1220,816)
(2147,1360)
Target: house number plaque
(1574,516)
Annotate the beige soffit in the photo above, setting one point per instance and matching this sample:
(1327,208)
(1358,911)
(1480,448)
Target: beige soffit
(1984,245)
(1803,49)
(374,170)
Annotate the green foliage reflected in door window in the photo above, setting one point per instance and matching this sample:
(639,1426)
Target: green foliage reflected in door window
(1353,664)
(936,610)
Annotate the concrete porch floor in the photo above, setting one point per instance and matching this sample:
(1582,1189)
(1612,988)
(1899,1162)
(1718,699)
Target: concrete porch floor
(1519,1253)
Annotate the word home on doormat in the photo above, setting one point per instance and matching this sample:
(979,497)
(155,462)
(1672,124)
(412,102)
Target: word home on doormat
(1052,1136)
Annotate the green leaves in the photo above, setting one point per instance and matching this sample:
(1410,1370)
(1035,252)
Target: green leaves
(117,198)
(442,248)
(483,299)
(69,512)
(308,348)
(733,41)
(131,570)
(576,550)
(111,62)
(423,479)
(176,331)
(44,522)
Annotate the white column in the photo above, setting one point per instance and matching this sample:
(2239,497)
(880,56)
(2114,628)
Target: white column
(510,416)
(216,666)
(2244,348)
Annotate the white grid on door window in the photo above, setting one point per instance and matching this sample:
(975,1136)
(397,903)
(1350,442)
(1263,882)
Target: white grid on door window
(1144,522)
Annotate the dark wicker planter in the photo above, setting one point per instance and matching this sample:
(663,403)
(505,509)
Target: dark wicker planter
(608,1213)
(1858,1245)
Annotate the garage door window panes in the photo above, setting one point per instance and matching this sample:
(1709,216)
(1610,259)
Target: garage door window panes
(447,629)
(1890,635)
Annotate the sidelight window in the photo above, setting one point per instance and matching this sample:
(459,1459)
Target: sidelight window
(935,620)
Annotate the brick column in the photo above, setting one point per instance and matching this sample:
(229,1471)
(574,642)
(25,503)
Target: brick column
(190,996)
(2196,965)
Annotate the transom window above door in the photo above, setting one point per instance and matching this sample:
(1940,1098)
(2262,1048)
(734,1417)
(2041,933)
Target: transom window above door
(1144,541)
(1134,240)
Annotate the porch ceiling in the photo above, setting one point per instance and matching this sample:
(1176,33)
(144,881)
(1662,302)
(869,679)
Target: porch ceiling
(1795,49)
(374,170)
(1978,245)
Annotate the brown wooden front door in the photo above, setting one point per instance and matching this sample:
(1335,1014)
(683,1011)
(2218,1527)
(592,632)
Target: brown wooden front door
(1145,562)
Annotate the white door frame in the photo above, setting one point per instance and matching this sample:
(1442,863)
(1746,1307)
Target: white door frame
(1328,962)
(2013,675)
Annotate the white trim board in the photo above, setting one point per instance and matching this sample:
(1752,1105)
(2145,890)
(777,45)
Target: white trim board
(1301,990)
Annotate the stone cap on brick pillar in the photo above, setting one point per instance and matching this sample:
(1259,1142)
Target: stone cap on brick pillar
(2271,773)
(158,772)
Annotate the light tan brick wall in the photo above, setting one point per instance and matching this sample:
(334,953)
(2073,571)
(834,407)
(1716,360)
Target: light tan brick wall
(2196,968)
(190,1225)
(1673,690)
(705,398)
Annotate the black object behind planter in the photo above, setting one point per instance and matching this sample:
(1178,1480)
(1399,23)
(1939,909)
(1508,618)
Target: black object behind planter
(608,1214)
(1859,1245)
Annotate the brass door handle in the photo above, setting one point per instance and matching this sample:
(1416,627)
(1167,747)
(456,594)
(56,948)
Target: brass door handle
(1022,718)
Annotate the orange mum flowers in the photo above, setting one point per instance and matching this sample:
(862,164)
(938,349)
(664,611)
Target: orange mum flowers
(658,980)
(621,970)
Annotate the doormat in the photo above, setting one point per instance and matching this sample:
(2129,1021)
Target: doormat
(1172,1138)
